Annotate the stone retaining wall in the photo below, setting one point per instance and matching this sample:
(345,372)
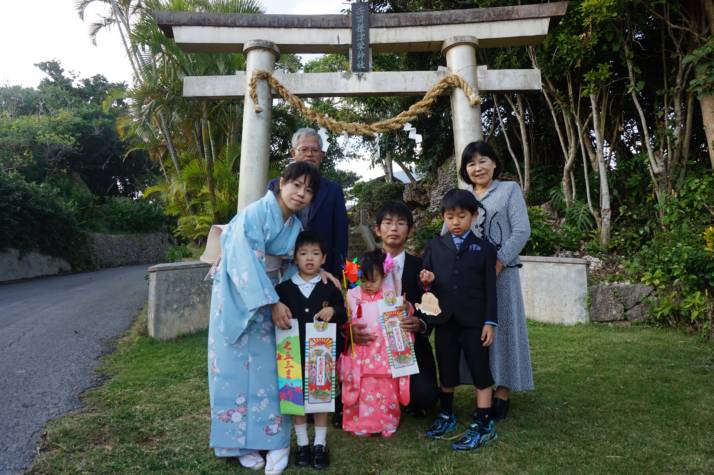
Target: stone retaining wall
(113,250)
(179,299)
(619,302)
(16,265)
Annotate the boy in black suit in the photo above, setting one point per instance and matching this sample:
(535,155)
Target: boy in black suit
(460,268)
(393,224)
(309,299)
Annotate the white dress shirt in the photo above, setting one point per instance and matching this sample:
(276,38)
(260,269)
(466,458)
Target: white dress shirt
(305,287)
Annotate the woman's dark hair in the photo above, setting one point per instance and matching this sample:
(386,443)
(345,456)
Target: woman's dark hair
(299,169)
(459,199)
(395,208)
(478,147)
(372,264)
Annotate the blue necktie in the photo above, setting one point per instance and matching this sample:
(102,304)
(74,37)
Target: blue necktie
(458,240)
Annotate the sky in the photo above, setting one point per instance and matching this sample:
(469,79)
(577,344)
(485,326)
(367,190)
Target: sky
(32,31)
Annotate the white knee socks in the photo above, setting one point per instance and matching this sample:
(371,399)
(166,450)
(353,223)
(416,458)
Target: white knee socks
(320,435)
(301,433)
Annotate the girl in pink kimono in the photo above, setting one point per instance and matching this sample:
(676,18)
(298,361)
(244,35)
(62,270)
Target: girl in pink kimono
(370,395)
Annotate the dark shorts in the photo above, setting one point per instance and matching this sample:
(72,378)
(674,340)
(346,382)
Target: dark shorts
(449,340)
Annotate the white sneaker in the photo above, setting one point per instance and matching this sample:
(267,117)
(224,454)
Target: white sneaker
(277,461)
(252,461)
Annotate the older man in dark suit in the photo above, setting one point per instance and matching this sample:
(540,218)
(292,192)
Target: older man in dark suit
(327,214)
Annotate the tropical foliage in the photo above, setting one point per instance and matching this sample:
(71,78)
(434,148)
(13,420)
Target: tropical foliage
(64,169)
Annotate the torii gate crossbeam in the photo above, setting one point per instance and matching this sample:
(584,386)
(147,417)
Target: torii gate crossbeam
(456,33)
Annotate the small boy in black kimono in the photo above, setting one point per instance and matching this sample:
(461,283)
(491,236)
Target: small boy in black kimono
(309,299)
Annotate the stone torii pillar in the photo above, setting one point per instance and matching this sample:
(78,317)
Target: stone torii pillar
(255,138)
(460,54)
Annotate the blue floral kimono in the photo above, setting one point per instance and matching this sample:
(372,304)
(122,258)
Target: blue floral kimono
(242,375)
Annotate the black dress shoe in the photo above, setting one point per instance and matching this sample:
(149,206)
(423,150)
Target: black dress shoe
(303,457)
(499,408)
(321,457)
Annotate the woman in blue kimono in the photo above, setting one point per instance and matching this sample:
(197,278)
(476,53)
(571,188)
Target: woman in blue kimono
(256,247)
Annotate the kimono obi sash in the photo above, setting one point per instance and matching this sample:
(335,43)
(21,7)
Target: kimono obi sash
(272,263)
(275,266)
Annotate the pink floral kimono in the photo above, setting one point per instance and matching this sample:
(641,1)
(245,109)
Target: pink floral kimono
(370,395)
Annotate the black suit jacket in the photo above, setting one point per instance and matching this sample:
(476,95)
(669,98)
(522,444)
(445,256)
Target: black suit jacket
(422,347)
(465,282)
(410,280)
(304,309)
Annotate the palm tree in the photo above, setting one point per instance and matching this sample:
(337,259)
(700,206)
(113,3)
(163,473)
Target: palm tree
(160,116)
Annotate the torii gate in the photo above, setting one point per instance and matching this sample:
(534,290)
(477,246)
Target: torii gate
(456,33)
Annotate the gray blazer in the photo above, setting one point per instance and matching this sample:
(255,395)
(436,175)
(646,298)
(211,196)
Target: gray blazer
(506,222)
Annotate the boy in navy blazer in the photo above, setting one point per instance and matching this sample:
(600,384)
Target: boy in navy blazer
(460,269)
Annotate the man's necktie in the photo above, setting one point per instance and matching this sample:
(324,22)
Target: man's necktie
(397,278)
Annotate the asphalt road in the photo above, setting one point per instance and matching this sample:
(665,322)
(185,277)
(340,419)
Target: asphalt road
(52,332)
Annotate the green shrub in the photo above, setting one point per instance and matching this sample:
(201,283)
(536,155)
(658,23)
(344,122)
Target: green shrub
(127,215)
(34,218)
(678,261)
(372,195)
(544,240)
(179,252)
(424,233)
(111,214)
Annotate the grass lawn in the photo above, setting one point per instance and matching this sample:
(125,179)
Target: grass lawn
(608,400)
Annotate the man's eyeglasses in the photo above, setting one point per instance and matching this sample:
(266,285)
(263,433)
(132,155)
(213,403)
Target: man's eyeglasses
(309,149)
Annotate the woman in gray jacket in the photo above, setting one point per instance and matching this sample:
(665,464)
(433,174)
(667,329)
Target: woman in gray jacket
(505,223)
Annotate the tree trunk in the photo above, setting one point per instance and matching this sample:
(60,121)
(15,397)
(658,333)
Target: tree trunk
(526,147)
(654,167)
(169,143)
(388,171)
(519,110)
(605,211)
(586,169)
(508,141)
(406,170)
(120,26)
(569,149)
(687,139)
(706,102)
(208,153)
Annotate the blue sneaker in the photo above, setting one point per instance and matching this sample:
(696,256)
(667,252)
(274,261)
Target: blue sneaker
(478,435)
(442,425)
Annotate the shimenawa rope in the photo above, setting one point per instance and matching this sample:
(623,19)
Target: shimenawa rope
(355,128)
